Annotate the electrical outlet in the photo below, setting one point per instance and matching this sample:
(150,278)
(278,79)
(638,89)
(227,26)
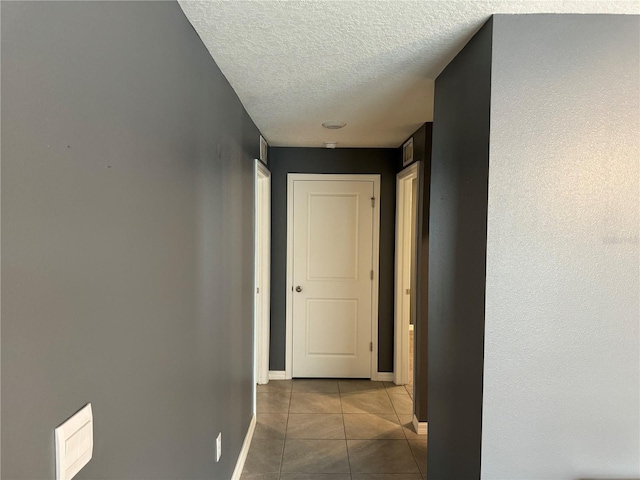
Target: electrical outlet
(218,446)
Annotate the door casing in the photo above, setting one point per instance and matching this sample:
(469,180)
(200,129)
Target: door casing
(406,225)
(262,244)
(291,178)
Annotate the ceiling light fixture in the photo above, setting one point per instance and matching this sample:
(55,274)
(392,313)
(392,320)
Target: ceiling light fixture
(333,125)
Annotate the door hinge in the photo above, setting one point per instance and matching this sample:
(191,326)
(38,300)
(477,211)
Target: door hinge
(371,346)
(257,289)
(408,291)
(371,275)
(373,201)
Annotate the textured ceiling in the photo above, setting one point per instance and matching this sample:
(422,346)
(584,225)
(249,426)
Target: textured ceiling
(296,64)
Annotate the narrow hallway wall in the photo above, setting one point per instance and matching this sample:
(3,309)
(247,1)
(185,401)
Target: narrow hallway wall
(457,243)
(127,242)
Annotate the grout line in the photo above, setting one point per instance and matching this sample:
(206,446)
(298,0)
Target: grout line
(286,428)
(398,417)
(414,457)
(344,427)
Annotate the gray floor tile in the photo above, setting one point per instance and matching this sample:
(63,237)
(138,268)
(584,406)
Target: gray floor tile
(259,476)
(409,389)
(381,456)
(273,402)
(315,403)
(270,425)
(315,386)
(366,402)
(402,402)
(275,386)
(419,450)
(393,388)
(359,386)
(371,426)
(315,476)
(386,476)
(315,426)
(315,456)
(264,456)
(407,424)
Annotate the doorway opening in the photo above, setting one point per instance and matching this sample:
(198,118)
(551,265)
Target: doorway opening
(333,224)
(262,216)
(405,291)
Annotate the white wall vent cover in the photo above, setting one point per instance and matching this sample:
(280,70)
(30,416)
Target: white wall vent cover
(263,150)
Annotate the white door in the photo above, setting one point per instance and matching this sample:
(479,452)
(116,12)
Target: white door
(262,271)
(333,225)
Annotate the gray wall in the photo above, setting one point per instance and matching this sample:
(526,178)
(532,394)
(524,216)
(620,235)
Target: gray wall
(562,358)
(457,241)
(342,160)
(127,231)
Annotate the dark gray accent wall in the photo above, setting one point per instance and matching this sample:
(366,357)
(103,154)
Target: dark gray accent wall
(127,232)
(342,160)
(457,253)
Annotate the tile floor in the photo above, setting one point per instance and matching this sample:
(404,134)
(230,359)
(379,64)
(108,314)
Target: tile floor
(409,386)
(335,430)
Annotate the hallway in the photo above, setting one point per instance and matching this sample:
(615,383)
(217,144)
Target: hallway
(335,430)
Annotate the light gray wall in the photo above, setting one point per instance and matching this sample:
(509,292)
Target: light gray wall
(456,261)
(127,232)
(561,379)
(341,160)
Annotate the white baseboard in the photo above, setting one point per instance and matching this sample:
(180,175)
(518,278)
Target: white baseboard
(420,427)
(382,377)
(277,375)
(242,457)
(376,377)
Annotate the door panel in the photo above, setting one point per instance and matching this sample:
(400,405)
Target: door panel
(332,327)
(332,261)
(332,252)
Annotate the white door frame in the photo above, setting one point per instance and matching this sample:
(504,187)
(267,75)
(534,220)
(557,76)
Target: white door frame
(292,177)
(262,277)
(404,219)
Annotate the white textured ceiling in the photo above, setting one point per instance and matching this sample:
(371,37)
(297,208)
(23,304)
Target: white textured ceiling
(372,64)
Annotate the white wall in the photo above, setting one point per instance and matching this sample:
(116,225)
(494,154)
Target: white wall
(561,376)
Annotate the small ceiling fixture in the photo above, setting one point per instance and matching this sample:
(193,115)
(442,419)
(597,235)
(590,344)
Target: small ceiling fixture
(333,125)
(330,144)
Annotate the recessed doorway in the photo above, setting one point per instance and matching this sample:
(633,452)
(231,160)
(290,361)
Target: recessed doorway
(332,276)
(405,291)
(262,226)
